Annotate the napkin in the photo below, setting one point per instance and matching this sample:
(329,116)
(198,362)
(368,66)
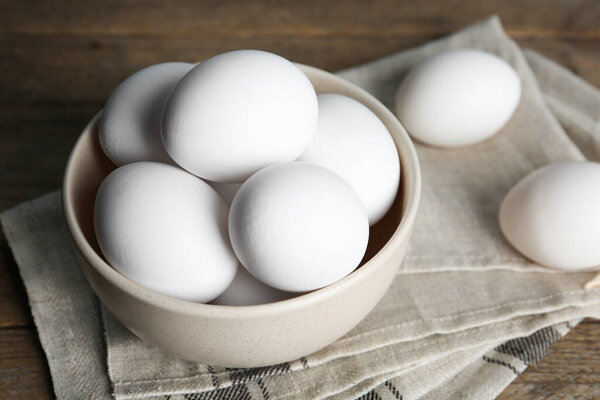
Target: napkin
(465,315)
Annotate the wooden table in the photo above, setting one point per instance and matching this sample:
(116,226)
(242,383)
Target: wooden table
(60,62)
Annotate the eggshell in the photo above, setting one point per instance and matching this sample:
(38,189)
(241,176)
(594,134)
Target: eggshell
(351,141)
(226,190)
(246,290)
(552,216)
(238,112)
(298,227)
(130,125)
(165,229)
(458,98)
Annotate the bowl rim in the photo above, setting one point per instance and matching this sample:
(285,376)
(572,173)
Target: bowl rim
(410,172)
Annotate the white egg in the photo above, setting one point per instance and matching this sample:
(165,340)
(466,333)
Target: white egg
(130,125)
(165,229)
(552,216)
(298,227)
(238,112)
(246,290)
(226,190)
(351,141)
(458,98)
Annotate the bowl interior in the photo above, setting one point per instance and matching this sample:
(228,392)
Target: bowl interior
(89,166)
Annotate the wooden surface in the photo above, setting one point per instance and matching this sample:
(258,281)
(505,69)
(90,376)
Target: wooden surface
(60,61)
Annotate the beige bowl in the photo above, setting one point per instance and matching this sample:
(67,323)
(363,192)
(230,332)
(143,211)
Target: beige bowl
(245,336)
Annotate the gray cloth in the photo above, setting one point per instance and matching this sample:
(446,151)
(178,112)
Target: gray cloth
(447,326)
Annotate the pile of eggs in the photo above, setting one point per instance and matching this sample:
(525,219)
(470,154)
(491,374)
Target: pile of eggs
(236,182)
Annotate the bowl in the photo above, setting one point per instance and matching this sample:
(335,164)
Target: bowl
(245,336)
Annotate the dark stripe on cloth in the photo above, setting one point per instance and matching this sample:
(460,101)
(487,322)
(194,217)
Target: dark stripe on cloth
(263,389)
(304,362)
(502,363)
(213,377)
(393,389)
(372,395)
(238,392)
(531,349)
(243,375)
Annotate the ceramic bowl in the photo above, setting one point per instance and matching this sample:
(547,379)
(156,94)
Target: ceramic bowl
(245,336)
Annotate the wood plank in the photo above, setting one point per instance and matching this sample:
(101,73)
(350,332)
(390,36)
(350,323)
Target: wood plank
(14,310)
(76,70)
(23,370)
(35,143)
(551,391)
(302,17)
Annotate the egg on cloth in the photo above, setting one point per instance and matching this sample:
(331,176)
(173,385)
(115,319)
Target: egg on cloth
(165,229)
(458,98)
(351,141)
(238,112)
(298,227)
(246,290)
(552,216)
(130,125)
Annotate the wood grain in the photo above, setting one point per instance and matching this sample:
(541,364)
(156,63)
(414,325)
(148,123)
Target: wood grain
(59,61)
(92,72)
(23,370)
(13,301)
(35,142)
(380,18)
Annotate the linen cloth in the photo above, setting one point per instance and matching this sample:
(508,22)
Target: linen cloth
(66,313)
(446,327)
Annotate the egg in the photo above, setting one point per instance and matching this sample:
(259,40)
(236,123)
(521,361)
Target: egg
(130,125)
(458,98)
(165,229)
(298,227)
(351,141)
(246,290)
(552,216)
(226,190)
(237,113)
